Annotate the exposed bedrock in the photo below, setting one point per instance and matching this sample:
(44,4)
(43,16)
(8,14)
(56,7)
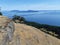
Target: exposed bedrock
(6,30)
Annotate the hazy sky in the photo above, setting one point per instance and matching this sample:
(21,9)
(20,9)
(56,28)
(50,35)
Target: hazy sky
(30,4)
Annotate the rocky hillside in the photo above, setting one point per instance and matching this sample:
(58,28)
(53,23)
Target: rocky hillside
(22,34)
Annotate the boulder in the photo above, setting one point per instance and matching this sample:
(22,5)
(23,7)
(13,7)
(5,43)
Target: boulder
(6,30)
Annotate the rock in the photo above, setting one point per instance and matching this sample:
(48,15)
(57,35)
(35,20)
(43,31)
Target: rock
(6,30)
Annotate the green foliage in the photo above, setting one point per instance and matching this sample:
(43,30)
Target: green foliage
(52,30)
(19,18)
(0,13)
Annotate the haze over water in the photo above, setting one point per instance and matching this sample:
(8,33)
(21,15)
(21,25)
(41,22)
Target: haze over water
(49,17)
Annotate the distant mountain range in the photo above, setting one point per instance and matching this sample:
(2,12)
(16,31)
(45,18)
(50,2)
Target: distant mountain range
(31,12)
(23,11)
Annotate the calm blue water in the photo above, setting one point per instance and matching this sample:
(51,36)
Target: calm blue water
(45,19)
(50,17)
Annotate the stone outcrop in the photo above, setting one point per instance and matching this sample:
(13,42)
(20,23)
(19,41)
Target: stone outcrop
(6,30)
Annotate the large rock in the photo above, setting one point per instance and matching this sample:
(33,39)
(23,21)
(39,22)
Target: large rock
(6,30)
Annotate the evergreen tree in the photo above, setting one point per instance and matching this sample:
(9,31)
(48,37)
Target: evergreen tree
(0,13)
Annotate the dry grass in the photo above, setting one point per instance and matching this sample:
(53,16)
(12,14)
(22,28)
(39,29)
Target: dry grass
(27,35)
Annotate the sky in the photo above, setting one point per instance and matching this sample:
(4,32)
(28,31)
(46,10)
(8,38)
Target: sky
(30,4)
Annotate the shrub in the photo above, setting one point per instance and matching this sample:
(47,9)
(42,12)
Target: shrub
(0,13)
(19,18)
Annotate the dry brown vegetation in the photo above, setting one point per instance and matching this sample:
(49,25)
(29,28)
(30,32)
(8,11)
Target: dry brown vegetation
(26,35)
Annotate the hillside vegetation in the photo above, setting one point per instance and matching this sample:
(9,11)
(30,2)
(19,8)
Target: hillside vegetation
(52,30)
(21,34)
(28,35)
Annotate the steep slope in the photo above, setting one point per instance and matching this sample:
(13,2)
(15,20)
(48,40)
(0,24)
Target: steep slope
(28,35)
(23,34)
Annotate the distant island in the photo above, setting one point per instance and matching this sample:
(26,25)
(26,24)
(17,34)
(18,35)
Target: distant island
(24,11)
